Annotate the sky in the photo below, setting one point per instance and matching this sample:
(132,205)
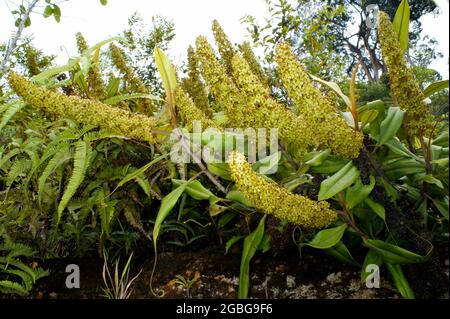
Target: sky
(191,18)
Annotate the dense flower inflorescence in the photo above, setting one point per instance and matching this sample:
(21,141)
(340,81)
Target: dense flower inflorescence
(330,130)
(85,111)
(404,87)
(247,107)
(189,111)
(278,201)
(194,86)
(31,56)
(252,61)
(226,48)
(135,84)
(97,88)
(266,112)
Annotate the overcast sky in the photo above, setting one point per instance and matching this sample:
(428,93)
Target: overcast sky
(191,18)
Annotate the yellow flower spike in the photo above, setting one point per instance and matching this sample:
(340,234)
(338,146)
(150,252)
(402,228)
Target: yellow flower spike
(278,201)
(31,61)
(85,111)
(135,85)
(266,112)
(329,128)
(97,88)
(221,85)
(194,86)
(189,112)
(252,61)
(226,48)
(81,42)
(404,87)
(240,106)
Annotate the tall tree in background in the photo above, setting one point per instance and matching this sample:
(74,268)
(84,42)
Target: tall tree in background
(331,36)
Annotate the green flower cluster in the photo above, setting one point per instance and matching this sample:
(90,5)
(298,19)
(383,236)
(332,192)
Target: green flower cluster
(249,104)
(189,111)
(278,201)
(252,61)
(135,84)
(194,86)
(226,48)
(96,85)
(404,88)
(329,129)
(85,111)
(31,56)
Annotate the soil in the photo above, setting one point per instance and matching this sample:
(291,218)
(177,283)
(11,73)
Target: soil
(286,275)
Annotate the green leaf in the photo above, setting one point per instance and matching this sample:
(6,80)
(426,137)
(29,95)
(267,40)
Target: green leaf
(318,158)
(220,169)
(435,87)
(341,252)
(442,205)
(233,240)
(119,98)
(56,13)
(391,124)
(368,116)
(237,196)
(358,192)
(376,208)
(167,204)
(11,110)
(327,238)
(48,11)
(82,157)
(394,254)
(345,177)
(113,87)
(330,165)
(401,24)
(430,179)
(196,190)
(104,2)
(251,244)
(167,73)
(335,88)
(400,281)
(139,171)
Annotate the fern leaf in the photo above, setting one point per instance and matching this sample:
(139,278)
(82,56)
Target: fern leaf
(62,155)
(18,168)
(82,156)
(9,113)
(7,286)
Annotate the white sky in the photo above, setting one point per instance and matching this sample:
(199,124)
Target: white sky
(191,18)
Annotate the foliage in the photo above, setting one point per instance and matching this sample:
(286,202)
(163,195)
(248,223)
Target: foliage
(355,169)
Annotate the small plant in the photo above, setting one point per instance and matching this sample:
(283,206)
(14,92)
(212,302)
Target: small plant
(15,276)
(186,282)
(118,286)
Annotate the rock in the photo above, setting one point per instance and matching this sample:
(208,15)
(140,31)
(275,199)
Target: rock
(290,281)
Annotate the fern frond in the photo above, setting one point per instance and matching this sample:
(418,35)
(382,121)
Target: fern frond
(10,112)
(18,168)
(8,287)
(82,157)
(61,156)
